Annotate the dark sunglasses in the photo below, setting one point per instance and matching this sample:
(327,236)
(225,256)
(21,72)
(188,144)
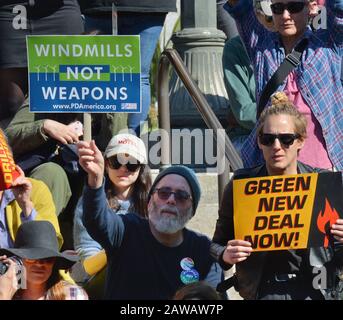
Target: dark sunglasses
(287,139)
(292,7)
(44,260)
(164,193)
(114,163)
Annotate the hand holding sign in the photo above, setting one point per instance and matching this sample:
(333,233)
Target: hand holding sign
(289,212)
(237,251)
(22,189)
(11,176)
(337,230)
(77,127)
(60,132)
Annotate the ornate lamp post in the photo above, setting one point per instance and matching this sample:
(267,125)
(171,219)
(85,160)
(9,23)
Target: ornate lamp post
(200,44)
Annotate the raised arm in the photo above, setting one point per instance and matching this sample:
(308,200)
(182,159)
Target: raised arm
(84,244)
(103,226)
(249,28)
(334,19)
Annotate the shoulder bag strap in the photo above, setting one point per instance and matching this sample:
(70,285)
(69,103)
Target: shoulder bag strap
(291,61)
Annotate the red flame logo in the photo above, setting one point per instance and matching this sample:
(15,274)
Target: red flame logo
(329,215)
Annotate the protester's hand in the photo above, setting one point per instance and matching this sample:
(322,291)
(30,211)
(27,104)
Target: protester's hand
(60,132)
(77,127)
(92,161)
(337,230)
(22,189)
(313,8)
(237,251)
(8,281)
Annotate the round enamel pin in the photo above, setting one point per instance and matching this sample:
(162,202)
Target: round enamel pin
(187,264)
(189,276)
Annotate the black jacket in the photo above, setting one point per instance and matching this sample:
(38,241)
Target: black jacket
(101,6)
(249,272)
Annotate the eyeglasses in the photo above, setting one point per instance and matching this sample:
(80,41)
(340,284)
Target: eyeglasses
(292,7)
(45,260)
(287,139)
(114,163)
(165,192)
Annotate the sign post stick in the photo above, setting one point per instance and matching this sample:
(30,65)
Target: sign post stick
(87,127)
(114,20)
(87,117)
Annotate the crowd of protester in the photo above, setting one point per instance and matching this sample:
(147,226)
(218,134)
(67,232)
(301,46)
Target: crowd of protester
(96,226)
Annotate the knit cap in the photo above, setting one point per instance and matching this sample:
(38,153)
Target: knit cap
(188,174)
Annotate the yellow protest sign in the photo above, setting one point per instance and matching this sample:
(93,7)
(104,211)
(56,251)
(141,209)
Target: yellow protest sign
(286,212)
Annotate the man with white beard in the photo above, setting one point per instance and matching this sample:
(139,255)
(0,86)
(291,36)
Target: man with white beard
(147,258)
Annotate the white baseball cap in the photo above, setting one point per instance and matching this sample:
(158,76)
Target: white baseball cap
(264,13)
(127,144)
(265,6)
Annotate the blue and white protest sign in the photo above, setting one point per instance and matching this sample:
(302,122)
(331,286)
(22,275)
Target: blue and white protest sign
(84,73)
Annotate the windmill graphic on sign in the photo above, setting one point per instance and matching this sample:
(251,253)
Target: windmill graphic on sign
(131,69)
(38,71)
(46,67)
(54,69)
(114,68)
